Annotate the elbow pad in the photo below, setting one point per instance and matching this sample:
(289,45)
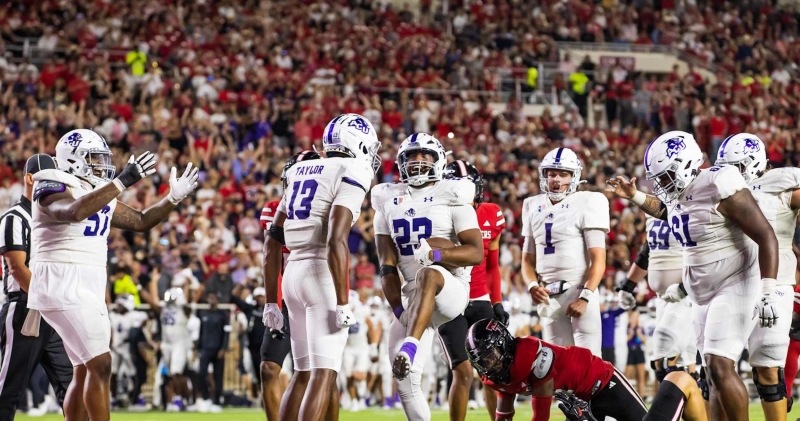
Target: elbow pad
(643,259)
(276,233)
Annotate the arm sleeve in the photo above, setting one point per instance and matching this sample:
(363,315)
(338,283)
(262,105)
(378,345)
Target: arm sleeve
(596,214)
(349,196)
(11,238)
(728,181)
(380,224)
(529,245)
(464,218)
(643,258)
(493,279)
(242,304)
(594,238)
(527,230)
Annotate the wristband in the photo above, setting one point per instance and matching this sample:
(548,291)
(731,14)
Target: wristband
(437,256)
(628,287)
(119,184)
(638,198)
(388,270)
(532,285)
(769,285)
(398,311)
(586,294)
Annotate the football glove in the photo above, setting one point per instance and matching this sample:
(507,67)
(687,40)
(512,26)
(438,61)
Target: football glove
(422,253)
(179,188)
(574,408)
(626,300)
(137,169)
(766,307)
(272,317)
(344,316)
(674,293)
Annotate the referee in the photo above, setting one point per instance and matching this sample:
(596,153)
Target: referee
(21,354)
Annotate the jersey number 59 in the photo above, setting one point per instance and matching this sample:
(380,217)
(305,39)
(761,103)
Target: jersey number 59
(403,229)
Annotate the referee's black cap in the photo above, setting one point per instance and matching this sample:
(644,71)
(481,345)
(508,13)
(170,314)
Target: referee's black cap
(38,162)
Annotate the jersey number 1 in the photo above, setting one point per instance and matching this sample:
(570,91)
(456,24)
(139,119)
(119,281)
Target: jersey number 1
(100,219)
(309,189)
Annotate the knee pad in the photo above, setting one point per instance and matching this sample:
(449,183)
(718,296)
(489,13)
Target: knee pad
(703,383)
(771,392)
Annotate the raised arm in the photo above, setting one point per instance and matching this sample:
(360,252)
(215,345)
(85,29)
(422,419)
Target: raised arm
(625,189)
(59,204)
(127,218)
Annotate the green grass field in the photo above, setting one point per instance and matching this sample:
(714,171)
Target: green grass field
(523,414)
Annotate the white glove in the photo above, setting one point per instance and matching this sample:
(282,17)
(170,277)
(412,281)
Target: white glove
(673,294)
(626,300)
(422,253)
(179,188)
(344,316)
(767,313)
(272,318)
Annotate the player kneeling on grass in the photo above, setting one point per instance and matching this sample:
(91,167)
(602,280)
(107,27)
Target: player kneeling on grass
(678,396)
(529,366)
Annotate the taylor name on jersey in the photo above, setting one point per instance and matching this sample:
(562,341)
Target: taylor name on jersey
(409,214)
(558,232)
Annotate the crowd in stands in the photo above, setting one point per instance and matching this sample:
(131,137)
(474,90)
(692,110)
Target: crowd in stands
(237,87)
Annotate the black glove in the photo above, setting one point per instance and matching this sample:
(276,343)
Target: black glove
(574,408)
(500,314)
(134,171)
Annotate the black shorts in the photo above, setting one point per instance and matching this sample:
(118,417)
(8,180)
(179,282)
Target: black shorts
(453,334)
(635,355)
(618,400)
(274,349)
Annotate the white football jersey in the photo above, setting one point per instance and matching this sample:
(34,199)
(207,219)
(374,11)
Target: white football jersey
(666,252)
(313,188)
(357,333)
(557,230)
(82,243)
(408,214)
(773,191)
(174,325)
(705,234)
(121,325)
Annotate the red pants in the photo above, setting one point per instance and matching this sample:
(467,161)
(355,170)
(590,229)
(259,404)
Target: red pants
(791,364)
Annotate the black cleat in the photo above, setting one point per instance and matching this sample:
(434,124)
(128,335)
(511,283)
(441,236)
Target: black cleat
(401,366)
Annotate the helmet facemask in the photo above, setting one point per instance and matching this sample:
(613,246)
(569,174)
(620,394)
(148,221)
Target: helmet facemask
(572,186)
(96,166)
(418,172)
(666,185)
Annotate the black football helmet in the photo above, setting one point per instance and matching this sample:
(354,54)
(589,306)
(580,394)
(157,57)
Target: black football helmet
(463,169)
(491,349)
(298,157)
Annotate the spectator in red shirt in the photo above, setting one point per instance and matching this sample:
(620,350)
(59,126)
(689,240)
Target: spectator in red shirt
(719,129)
(365,273)
(215,256)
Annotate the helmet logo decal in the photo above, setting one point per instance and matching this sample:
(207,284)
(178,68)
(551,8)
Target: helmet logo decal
(359,125)
(751,146)
(674,146)
(74,140)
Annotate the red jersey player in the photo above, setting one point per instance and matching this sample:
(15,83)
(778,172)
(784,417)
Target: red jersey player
(529,366)
(485,300)
(276,345)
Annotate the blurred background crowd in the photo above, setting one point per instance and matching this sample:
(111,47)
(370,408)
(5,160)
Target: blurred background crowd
(239,86)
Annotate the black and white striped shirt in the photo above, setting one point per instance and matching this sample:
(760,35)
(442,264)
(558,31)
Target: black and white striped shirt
(15,235)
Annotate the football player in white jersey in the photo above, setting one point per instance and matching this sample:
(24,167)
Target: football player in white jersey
(356,352)
(423,205)
(176,344)
(321,203)
(380,368)
(661,260)
(726,242)
(73,209)
(777,192)
(564,253)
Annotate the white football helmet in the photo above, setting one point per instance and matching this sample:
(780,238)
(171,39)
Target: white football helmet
(354,136)
(175,296)
(85,154)
(561,159)
(745,151)
(426,171)
(672,161)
